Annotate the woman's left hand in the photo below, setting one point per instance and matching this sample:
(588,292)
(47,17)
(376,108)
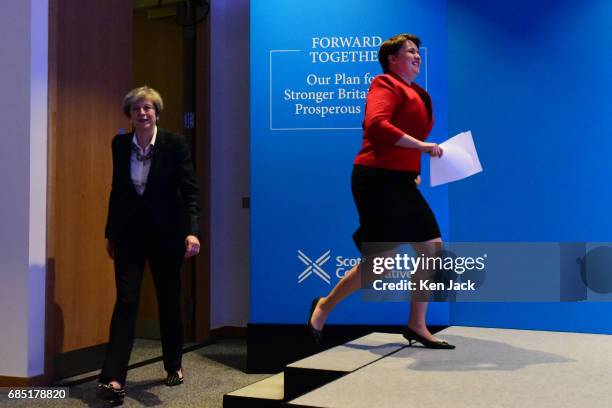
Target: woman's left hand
(192,246)
(417,180)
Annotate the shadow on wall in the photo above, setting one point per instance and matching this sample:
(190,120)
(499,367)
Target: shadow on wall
(54,321)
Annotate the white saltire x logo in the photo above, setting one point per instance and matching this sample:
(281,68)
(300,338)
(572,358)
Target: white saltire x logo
(314,266)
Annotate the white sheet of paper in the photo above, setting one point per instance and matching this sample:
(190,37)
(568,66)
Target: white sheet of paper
(459,160)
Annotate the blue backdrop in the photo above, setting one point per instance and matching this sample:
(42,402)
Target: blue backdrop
(301,156)
(532,80)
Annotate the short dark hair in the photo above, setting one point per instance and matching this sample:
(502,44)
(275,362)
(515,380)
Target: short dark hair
(392,46)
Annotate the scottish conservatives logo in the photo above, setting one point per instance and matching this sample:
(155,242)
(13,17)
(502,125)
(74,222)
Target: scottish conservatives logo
(342,265)
(314,267)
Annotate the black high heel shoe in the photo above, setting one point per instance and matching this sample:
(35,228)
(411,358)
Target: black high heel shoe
(173,379)
(412,337)
(111,394)
(316,334)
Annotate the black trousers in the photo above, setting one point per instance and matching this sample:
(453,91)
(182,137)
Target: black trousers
(165,258)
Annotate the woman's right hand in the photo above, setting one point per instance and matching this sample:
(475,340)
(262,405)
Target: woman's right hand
(110,248)
(432,149)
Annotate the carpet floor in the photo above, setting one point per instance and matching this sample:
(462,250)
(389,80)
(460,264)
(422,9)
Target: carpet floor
(210,372)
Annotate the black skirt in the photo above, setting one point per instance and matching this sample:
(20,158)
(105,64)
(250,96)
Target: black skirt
(391,208)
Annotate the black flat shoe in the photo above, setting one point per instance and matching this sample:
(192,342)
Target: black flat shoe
(314,333)
(412,337)
(111,394)
(173,379)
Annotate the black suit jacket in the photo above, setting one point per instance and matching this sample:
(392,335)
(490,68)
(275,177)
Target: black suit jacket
(170,200)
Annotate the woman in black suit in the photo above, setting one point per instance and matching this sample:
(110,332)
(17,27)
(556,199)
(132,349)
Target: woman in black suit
(153,214)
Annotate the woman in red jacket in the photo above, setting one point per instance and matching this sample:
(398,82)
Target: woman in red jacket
(398,119)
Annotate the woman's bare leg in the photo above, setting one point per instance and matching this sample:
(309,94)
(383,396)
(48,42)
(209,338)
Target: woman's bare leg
(418,309)
(349,283)
(352,281)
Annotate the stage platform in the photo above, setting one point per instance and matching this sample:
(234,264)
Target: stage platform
(489,368)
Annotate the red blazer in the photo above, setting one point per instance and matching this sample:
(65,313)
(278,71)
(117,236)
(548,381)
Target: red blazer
(394,108)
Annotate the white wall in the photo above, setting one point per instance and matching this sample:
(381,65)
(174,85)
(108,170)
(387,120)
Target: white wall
(23,177)
(230,162)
